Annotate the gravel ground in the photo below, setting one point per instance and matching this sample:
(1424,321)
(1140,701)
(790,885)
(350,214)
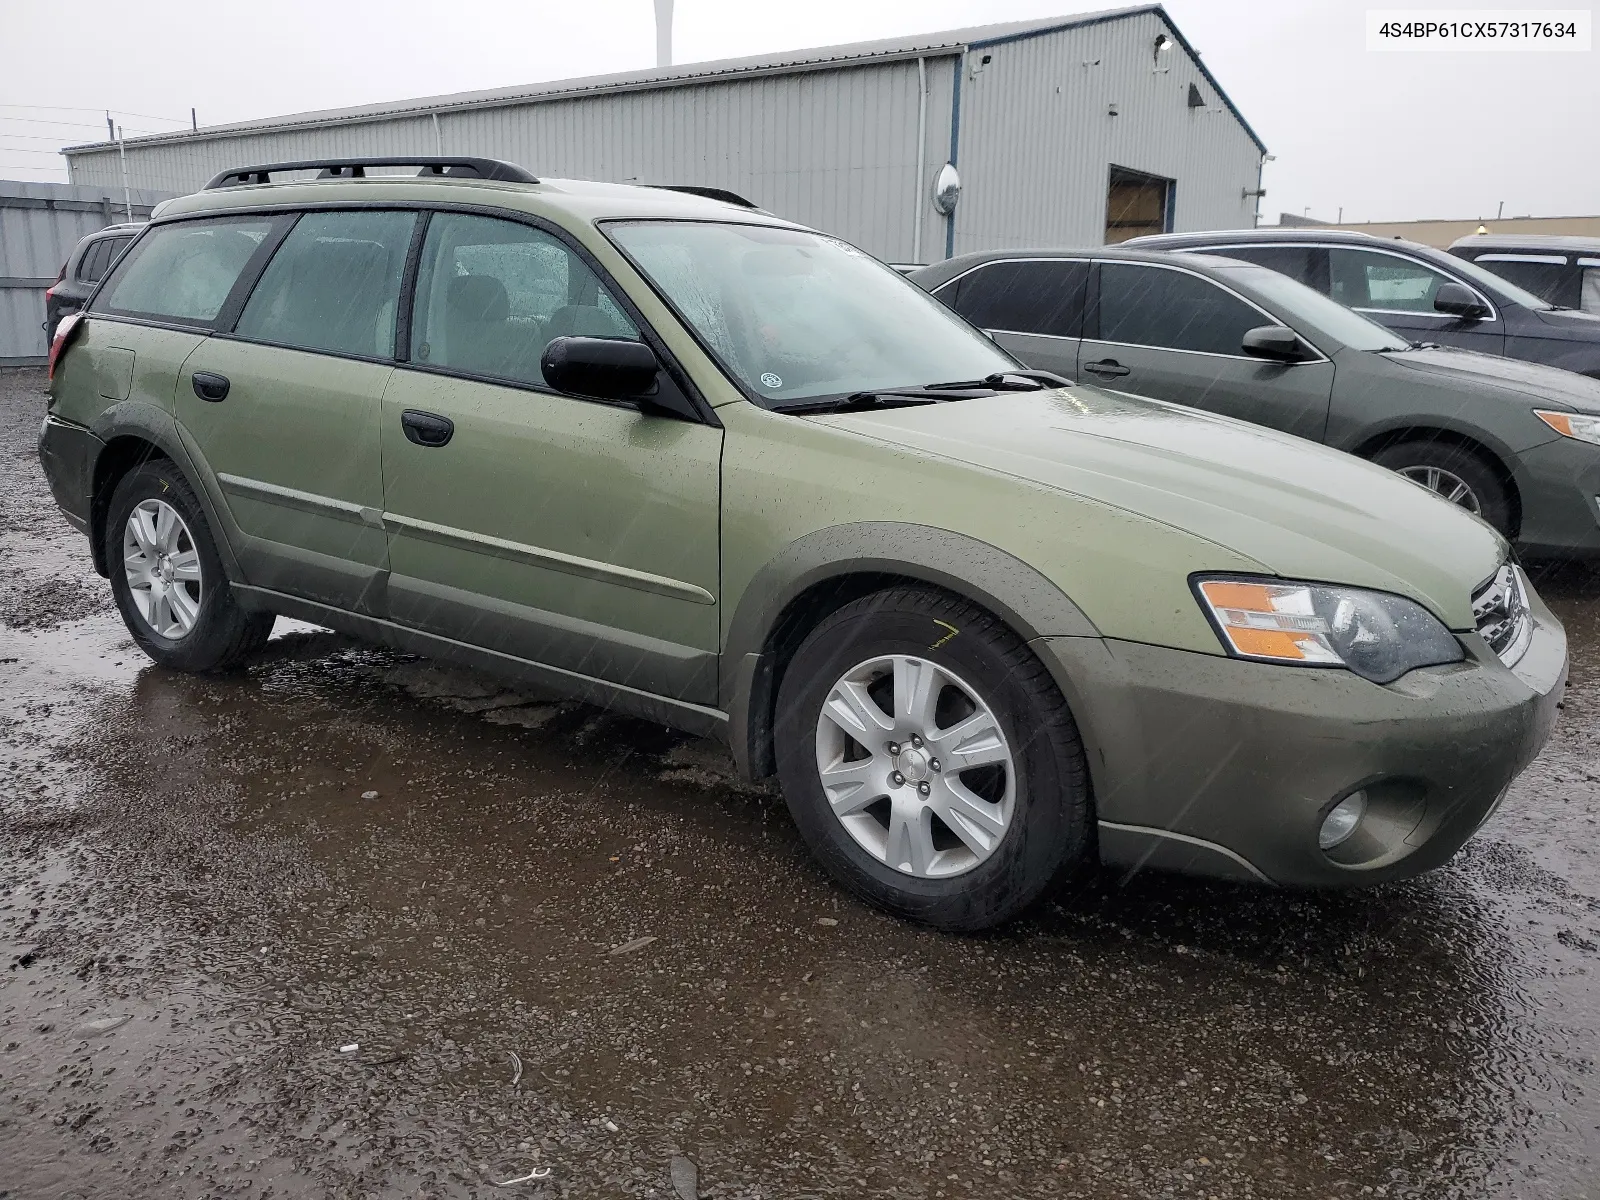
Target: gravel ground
(349,924)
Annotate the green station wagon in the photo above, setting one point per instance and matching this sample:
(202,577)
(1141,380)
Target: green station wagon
(664,452)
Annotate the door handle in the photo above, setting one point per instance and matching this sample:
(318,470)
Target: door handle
(425,428)
(1108,367)
(213,388)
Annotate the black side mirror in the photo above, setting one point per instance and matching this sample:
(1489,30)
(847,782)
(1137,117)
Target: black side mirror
(614,369)
(1274,342)
(1458,301)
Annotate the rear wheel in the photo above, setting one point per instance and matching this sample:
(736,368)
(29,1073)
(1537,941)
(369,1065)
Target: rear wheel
(1454,473)
(929,760)
(168,579)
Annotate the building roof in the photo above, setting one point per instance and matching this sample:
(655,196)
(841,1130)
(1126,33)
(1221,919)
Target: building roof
(951,41)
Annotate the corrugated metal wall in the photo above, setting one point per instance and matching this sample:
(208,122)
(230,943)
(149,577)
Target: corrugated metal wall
(836,147)
(40,223)
(1037,143)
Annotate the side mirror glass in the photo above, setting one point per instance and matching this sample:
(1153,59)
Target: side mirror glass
(605,368)
(1458,301)
(1274,342)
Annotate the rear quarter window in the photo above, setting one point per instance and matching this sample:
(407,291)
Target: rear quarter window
(184,271)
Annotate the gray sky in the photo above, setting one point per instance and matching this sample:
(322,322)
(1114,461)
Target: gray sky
(1385,136)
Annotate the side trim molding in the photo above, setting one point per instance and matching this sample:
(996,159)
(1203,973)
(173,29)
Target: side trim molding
(255,489)
(586,568)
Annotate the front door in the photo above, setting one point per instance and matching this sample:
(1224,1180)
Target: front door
(571,532)
(1173,335)
(285,408)
(1398,291)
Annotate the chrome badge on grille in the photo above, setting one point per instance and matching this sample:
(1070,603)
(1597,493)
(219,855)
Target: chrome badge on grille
(1500,610)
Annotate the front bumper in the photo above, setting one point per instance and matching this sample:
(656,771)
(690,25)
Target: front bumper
(68,453)
(1222,767)
(1559,483)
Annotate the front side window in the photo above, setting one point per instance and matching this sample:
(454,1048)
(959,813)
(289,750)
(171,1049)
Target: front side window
(334,285)
(1365,279)
(182,271)
(1040,297)
(796,316)
(1156,306)
(492,294)
(1545,276)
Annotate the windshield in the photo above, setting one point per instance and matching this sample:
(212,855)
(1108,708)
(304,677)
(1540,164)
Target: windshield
(1497,284)
(1311,308)
(796,316)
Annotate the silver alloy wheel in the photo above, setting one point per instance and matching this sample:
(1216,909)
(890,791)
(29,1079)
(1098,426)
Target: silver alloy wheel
(163,568)
(927,799)
(1446,484)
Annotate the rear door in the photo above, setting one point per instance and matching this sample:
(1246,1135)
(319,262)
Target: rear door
(1032,307)
(572,532)
(1169,333)
(285,407)
(1397,290)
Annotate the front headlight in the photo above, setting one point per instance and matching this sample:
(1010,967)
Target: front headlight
(1378,636)
(1572,425)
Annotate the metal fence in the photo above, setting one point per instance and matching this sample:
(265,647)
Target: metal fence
(39,225)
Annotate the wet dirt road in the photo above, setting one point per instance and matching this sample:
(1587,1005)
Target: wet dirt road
(281,934)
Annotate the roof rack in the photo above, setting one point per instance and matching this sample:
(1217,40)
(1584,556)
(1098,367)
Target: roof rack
(710,193)
(356,168)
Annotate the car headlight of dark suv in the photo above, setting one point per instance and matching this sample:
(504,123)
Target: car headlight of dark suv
(1378,636)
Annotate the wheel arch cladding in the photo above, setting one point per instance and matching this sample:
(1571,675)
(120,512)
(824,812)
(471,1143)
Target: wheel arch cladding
(135,433)
(1493,458)
(821,572)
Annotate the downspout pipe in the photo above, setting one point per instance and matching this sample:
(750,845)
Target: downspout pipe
(955,146)
(922,160)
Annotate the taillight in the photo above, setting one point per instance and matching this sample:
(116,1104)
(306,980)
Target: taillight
(64,331)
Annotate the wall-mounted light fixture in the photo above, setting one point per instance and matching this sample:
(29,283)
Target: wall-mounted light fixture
(1160,55)
(978,64)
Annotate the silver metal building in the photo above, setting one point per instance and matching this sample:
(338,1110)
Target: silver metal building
(1070,131)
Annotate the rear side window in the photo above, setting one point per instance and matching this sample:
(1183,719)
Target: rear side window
(1155,306)
(334,285)
(492,294)
(1589,295)
(1299,263)
(92,266)
(1546,276)
(183,271)
(1022,297)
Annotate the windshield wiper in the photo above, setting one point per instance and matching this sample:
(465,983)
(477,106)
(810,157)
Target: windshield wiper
(1007,381)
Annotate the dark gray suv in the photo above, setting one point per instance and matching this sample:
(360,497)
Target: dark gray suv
(1516,443)
(1423,294)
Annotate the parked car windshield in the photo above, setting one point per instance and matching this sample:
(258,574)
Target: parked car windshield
(796,316)
(1497,285)
(1307,306)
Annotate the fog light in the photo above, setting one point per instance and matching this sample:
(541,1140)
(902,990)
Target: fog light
(1342,820)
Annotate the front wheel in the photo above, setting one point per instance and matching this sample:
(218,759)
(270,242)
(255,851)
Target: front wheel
(1453,473)
(168,579)
(929,760)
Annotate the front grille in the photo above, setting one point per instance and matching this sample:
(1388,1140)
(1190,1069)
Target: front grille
(1500,610)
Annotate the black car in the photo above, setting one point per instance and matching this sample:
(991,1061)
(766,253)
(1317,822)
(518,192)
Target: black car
(1423,294)
(1516,443)
(1562,270)
(85,267)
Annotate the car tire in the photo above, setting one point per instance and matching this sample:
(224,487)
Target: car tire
(990,860)
(1441,467)
(167,577)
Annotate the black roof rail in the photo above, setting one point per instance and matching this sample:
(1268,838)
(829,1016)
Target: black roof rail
(356,168)
(710,193)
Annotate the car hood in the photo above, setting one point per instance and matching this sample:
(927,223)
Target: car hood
(1569,324)
(1300,510)
(1534,380)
